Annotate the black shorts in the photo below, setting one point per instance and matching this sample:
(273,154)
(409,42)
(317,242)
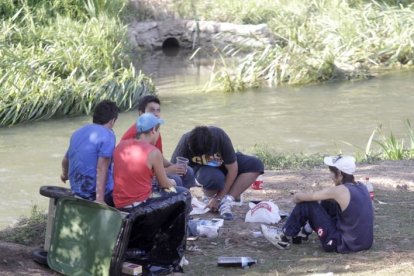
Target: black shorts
(213,178)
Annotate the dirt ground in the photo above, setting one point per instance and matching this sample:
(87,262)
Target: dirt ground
(392,252)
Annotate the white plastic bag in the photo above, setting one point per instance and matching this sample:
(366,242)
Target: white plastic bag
(199,207)
(263,212)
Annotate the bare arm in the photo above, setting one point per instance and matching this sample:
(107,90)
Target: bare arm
(338,193)
(65,167)
(232,170)
(155,162)
(165,162)
(101,177)
(230,178)
(171,168)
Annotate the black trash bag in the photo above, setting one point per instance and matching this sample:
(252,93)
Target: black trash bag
(154,235)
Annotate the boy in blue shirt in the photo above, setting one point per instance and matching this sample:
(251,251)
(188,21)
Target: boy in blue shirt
(88,161)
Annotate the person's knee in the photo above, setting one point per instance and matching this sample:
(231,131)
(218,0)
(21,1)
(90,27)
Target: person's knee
(249,164)
(180,189)
(188,179)
(211,178)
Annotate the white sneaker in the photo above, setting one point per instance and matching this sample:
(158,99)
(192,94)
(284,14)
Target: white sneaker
(274,237)
(225,207)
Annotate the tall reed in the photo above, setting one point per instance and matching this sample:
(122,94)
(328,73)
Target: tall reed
(322,40)
(390,147)
(61,58)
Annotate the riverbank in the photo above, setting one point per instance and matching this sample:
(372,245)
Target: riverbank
(322,40)
(391,254)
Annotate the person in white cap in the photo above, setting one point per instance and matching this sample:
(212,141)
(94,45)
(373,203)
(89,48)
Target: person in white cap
(342,216)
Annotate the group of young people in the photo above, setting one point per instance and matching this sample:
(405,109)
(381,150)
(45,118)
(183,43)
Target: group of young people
(135,171)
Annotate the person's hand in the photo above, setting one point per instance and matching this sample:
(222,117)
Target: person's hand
(176,169)
(64,177)
(213,204)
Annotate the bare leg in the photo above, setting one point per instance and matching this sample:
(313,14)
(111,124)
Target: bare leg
(242,183)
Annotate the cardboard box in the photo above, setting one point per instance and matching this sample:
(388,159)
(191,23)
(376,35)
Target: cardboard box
(131,269)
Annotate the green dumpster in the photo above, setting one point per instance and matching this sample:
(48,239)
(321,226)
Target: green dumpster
(93,239)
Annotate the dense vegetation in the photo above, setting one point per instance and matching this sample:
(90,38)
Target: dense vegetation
(62,57)
(323,40)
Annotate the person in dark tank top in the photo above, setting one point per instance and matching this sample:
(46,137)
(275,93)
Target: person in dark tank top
(342,216)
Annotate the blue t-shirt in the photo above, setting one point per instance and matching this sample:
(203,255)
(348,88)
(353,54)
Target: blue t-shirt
(87,144)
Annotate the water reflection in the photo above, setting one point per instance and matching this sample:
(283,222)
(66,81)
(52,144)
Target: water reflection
(307,119)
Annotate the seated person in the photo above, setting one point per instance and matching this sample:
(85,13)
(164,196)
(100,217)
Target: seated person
(88,161)
(182,176)
(223,173)
(343,220)
(136,161)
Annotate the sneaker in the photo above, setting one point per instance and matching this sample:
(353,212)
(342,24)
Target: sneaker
(305,232)
(303,235)
(225,208)
(276,238)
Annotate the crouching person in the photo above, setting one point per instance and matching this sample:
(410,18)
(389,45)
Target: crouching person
(136,161)
(343,219)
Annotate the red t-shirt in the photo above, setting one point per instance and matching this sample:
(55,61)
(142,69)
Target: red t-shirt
(131,133)
(132,177)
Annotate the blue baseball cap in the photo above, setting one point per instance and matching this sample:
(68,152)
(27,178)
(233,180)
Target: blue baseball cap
(147,121)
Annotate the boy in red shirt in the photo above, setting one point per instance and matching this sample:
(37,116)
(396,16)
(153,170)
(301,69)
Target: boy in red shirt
(136,161)
(182,176)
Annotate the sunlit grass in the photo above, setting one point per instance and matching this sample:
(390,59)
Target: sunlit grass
(62,57)
(29,230)
(389,146)
(322,40)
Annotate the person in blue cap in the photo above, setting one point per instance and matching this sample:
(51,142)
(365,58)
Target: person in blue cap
(136,162)
(342,216)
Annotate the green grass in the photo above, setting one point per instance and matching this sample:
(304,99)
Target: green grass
(61,58)
(380,146)
(279,161)
(28,230)
(389,146)
(323,40)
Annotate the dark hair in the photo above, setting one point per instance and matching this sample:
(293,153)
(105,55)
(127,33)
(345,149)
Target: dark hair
(104,112)
(142,104)
(346,178)
(200,140)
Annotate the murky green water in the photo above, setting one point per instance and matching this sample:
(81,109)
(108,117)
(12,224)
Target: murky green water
(307,119)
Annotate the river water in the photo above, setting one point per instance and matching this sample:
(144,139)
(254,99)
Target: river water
(316,118)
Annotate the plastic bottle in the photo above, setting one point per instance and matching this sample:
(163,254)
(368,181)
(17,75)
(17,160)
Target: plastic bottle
(236,261)
(134,253)
(370,188)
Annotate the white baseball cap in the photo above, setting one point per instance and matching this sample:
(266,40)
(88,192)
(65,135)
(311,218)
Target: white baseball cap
(343,163)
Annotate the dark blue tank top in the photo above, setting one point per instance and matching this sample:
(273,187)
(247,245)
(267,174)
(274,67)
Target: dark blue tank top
(356,222)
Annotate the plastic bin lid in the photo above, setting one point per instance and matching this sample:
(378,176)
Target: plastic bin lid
(84,237)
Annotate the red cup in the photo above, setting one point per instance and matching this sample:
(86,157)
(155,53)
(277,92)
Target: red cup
(258,184)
